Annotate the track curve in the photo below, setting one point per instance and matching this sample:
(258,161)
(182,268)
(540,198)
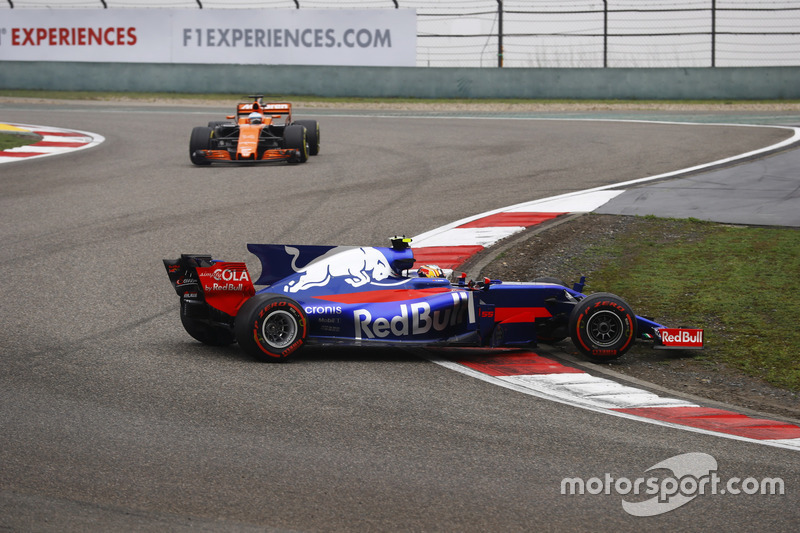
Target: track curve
(113,417)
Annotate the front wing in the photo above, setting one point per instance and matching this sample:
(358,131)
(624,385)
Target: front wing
(224,156)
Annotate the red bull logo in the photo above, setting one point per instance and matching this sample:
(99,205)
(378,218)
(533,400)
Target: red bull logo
(413,319)
(356,266)
(681,338)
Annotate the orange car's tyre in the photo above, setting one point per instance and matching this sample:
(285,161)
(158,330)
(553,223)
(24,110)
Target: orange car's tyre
(294,137)
(270,327)
(312,135)
(199,140)
(602,326)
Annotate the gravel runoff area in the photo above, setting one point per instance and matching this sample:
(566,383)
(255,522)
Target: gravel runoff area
(550,251)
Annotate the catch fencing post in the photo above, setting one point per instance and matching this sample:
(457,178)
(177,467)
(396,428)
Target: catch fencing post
(500,34)
(713,33)
(605,33)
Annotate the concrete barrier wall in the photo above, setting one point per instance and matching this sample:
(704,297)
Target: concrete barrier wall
(413,82)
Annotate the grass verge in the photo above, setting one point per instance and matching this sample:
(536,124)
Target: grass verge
(12,140)
(738,283)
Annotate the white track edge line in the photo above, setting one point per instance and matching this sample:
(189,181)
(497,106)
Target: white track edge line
(787,444)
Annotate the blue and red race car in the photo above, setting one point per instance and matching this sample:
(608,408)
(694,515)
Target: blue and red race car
(374,296)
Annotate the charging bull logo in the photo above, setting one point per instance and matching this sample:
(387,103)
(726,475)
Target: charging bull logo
(357,266)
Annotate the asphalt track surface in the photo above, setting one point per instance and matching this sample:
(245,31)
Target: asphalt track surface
(762,192)
(112,418)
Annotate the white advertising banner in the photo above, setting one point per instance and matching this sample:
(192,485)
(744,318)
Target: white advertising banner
(379,37)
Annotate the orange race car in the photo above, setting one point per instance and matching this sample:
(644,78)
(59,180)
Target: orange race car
(258,132)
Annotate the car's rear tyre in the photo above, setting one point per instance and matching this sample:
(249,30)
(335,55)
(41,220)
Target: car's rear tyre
(204,332)
(602,327)
(312,135)
(199,140)
(295,137)
(271,328)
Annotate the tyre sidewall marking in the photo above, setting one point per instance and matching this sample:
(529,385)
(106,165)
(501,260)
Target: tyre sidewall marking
(295,312)
(621,312)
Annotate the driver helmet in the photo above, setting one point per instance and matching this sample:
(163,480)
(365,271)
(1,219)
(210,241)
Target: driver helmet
(430,271)
(255,118)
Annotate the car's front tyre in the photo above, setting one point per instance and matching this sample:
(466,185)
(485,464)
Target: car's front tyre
(312,135)
(602,327)
(200,139)
(294,137)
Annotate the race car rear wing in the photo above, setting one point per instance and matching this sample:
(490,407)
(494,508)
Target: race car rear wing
(223,285)
(274,109)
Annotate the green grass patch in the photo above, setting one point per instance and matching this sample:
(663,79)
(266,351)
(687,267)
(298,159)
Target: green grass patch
(12,140)
(738,283)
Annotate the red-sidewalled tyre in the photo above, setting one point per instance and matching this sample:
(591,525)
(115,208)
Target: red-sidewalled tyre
(602,327)
(270,327)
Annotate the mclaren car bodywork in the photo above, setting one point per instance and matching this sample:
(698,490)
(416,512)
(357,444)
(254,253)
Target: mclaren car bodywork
(258,132)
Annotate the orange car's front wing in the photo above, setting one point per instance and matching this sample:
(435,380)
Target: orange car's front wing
(276,154)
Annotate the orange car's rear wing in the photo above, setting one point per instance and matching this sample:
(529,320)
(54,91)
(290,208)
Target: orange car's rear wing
(276,110)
